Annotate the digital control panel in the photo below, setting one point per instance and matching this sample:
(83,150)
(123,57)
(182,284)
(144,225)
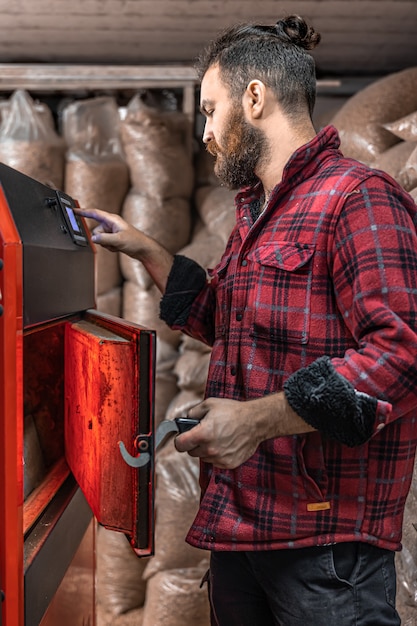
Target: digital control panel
(72,221)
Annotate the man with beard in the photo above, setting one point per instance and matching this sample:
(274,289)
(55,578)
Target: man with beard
(307,433)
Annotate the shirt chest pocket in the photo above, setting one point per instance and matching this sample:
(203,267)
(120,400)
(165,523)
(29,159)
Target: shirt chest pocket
(280,300)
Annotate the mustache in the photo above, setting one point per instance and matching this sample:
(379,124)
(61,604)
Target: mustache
(212,148)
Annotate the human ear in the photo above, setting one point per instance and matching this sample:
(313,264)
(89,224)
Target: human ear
(254,98)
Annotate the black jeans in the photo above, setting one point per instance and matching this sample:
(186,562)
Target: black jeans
(347,584)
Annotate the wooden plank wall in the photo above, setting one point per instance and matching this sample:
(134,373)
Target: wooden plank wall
(360,37)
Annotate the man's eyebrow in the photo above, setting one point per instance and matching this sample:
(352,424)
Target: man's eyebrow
(205,105)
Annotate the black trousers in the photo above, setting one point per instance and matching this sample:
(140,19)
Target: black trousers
(347,584)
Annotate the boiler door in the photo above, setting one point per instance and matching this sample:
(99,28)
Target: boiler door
(109,397)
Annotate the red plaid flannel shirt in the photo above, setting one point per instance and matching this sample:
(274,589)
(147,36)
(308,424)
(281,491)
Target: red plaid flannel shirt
(330,268)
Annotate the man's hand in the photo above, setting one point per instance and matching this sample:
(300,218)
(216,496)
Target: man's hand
(115,234)
(230,431)
(225,436)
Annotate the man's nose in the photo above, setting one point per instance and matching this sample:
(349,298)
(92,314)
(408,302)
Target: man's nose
(207,134)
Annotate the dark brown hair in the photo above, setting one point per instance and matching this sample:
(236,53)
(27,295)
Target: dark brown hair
(275,54)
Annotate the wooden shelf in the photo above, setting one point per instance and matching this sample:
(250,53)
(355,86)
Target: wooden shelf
(49,77)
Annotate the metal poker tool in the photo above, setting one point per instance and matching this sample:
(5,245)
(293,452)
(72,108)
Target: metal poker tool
(166,428)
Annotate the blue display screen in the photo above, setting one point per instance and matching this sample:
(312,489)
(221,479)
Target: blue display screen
(73,220)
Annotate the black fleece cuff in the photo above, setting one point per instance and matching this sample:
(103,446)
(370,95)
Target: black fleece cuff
(329,403)
(185,281)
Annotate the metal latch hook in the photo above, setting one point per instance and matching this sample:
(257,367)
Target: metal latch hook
(165,428)
(134,461)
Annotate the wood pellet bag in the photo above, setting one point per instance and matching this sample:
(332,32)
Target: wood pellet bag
(405,128)
(191,370)
(29,142)
(120,585)
(168,221)
(183,402)
(142,307)
(394,162)
(360,121)
(96,174)
(174,598)
(176,503)
(153,141)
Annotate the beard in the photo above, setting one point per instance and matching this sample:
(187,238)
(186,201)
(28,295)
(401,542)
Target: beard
(243,148)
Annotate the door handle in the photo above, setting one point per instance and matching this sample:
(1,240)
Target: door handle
(167,427)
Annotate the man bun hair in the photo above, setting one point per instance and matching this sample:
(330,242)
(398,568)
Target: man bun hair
(276,54)
(298,32)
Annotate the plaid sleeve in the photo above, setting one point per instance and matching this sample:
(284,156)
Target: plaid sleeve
(374,269)
(373,262)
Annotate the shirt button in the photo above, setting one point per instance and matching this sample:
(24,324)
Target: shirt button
(239,317)
(244,263)
(233,370)
(380,426)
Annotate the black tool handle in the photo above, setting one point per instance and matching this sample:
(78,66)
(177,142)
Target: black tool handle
(185,423)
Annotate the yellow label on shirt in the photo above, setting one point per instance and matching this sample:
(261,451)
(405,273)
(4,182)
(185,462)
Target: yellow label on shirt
(318,506)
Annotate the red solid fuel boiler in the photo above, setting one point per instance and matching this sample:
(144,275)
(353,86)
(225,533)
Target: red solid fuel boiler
(74,385)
